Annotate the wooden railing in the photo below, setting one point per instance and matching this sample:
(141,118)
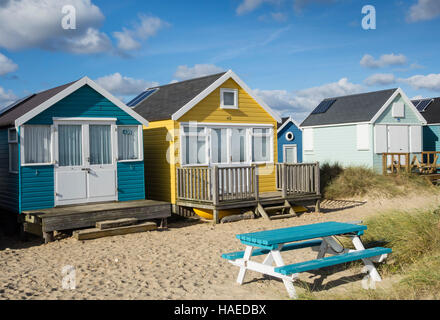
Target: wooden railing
(217,184)
(298,178)
(393,162)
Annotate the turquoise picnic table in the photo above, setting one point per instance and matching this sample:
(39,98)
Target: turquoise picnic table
(320,237)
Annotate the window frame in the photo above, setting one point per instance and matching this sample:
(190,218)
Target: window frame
(184,134)
(140,144)
(289,139)
(226,90)
(248,143)
(51,148)
(10,144)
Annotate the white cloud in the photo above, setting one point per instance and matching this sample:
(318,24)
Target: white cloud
(199,70)
(6,65)
(6,97)
(248,6)
(424,10)
(380,79)
(129,39)
(124,86)
(35,23)
(392,59)
(429,82)
(299,103)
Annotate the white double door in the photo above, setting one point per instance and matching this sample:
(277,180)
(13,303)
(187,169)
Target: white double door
(85,162)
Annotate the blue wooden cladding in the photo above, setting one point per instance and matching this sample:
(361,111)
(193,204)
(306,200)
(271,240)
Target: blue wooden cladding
(297,140)
(37,187)
(8,181)
(331,261)
(131,185)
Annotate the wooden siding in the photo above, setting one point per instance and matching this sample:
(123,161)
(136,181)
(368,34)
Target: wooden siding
(431,135)
(131,184)
(37,187)
(387,118)
(161,141)
(85,102)
(290,127)
(8,181)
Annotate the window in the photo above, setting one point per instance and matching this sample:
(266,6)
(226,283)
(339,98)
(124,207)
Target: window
(194,145)
(261,145)
(128,143)
(229,98)
(13,150)
(70,145)
(290,136)
(363,136)
(205,145)
(37,144)
(308,139)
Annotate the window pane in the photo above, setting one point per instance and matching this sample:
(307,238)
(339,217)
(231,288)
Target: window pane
(100,144)
(238,145)
(228,98)
(128,143)
(70,145)
(219,146)
(261,145)
(194,146)
(290,155)
(37,144)
(13,157)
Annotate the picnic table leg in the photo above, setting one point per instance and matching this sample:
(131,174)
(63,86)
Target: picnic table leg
(246,257)
(368,263)
(322,249)
(276,255)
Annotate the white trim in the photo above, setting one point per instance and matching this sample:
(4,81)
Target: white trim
(86,119)
(72,88)
(335,125)
(405,99)
(292,136)
(286,122)
(222,101)
(23,142)
(230,74)
(290,146)
(223,124)
(140,144)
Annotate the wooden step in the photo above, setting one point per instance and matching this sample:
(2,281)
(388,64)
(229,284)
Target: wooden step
(109,224)
(283,216)
(95,233)
(276,208)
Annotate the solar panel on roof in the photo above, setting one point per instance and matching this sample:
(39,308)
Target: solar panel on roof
(12,105)
(415,102)
(323,106)
(423,104)
(144,95)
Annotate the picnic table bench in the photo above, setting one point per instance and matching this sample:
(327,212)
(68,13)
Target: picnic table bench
(272,242)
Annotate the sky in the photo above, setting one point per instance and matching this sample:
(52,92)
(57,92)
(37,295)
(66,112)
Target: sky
(292,53)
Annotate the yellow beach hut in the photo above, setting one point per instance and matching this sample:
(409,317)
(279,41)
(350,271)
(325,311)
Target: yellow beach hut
(211,144)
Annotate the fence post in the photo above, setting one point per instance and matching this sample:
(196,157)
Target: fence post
(284,180)
(317,179)
(256,182)
(215,192)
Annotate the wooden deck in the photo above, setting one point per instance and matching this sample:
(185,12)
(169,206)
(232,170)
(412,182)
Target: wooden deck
(220,188)
(87,215)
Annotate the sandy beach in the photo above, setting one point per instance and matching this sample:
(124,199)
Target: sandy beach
(182,262)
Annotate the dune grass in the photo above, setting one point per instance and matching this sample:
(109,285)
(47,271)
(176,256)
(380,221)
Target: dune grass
(414,237)
(350,182)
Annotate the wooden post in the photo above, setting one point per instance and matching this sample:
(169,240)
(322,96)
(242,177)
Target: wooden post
(317,179)
(384,163)
(215,193)
(256,183)
(284,180)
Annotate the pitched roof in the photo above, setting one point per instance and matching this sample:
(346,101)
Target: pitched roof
(432,112)
(171,97)
(283,121)
(8,118)
(351,109)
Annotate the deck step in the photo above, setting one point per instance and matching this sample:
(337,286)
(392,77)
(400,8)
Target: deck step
(108,224)
(283,216)
(276,208)
(95,233)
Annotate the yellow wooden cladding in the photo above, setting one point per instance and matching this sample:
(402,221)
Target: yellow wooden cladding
(161,141)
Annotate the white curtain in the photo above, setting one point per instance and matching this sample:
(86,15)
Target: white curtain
(194,145)
(128,143)
(238,145)
(37,141)
(219,142)
(261,145)
(100,144)
(70,145)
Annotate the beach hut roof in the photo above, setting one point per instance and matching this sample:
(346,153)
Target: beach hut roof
(429,108)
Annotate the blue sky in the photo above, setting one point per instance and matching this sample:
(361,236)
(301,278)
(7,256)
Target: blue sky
(293,53)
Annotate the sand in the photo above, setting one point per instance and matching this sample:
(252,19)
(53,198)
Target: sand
(182,262)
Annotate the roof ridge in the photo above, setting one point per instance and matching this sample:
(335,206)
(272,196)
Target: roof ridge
(359,94)
(189,80)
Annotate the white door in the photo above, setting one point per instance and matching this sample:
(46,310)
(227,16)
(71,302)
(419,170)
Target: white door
(85,169)
(290,154)
(398,140)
